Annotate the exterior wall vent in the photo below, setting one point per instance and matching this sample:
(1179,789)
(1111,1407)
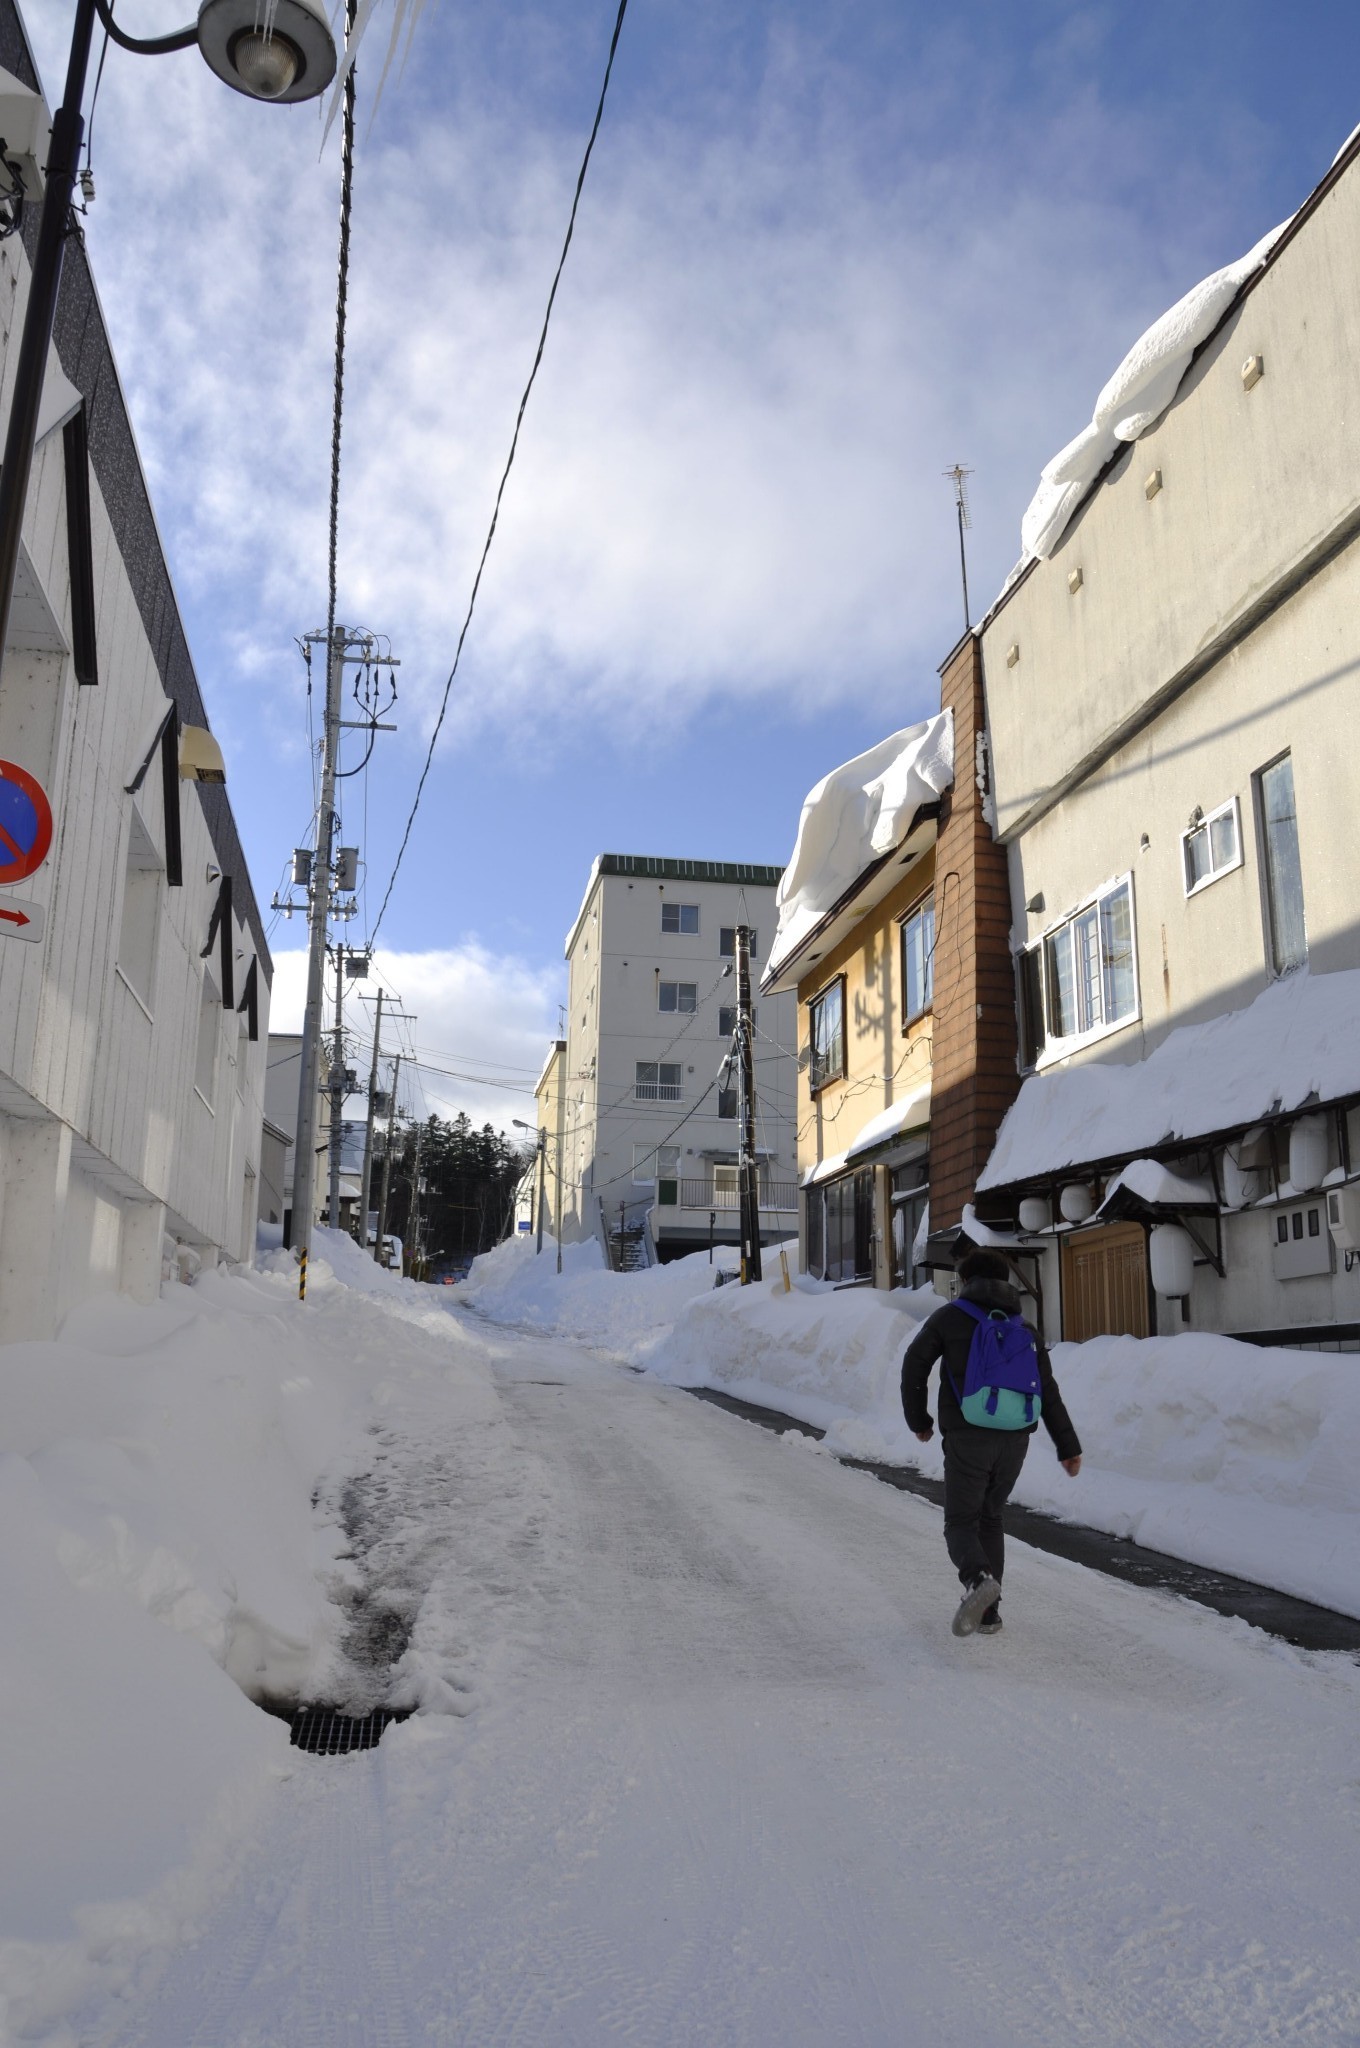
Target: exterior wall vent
(1253,370)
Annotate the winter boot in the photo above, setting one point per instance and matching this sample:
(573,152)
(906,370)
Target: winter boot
(990,1624)
(979,1593)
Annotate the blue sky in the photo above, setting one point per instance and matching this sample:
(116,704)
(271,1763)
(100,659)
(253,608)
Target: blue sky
(823,253)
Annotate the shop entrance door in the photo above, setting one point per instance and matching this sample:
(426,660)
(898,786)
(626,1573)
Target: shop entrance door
(1105,1283)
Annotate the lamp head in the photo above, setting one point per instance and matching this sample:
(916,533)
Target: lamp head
(286,52)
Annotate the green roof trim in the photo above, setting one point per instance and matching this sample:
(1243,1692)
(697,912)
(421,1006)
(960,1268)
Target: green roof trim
(655,866)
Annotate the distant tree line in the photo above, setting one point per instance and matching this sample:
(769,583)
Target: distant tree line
(468,1178)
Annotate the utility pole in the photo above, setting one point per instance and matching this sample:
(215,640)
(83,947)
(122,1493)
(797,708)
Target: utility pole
(413,1223)
(748,1167)
(337,1090)
(366,1178)
(957,476)
(387,1164)
(542,1186)
(304,1162)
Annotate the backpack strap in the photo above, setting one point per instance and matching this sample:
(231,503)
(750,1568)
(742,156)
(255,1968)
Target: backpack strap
(977,1315)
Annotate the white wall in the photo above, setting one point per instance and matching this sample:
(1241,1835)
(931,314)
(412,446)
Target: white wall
(617,956)
(107,1141)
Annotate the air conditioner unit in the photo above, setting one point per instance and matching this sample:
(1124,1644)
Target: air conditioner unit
(1343,1216)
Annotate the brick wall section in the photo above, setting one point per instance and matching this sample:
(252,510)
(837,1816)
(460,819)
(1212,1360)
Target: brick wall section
(974,1077)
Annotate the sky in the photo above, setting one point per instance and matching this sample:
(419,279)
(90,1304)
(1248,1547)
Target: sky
(822,255)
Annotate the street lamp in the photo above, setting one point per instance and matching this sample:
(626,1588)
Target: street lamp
(267,49)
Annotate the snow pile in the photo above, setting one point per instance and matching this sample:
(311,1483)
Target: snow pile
(854,815)
(1231,1456)
(1295,1044)
(161,1567)
(1135,398)
(611,1311)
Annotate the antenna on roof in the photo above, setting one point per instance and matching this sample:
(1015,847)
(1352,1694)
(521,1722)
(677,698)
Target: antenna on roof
(958,476)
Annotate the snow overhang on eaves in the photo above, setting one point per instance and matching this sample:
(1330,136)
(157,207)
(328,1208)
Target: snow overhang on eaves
(865,893)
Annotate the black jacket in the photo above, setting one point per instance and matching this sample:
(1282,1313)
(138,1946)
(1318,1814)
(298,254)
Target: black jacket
(948,1336)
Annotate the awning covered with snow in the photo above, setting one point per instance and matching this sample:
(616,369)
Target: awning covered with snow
(853,824)
(883,1134)
(1150,1192)
(1296,1047)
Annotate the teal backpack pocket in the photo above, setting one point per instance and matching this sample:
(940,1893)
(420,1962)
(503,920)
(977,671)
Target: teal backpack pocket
(1000,1408)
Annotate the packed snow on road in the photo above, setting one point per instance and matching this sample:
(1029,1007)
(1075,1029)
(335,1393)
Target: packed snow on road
(692,1756)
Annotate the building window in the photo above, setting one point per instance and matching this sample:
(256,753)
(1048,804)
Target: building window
(141,913)
(918,960)
(727,1019)
(657,1081)
(726,1187)
(1088,972)
(840,1228)
(680,917)
(826,1036)
(1032,1037)
(1283,874)
(727,942)
(727,1104)
(1212,847)
(654,1163)
(677,995)
(205,1060)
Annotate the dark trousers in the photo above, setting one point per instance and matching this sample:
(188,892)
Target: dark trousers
(980,1468)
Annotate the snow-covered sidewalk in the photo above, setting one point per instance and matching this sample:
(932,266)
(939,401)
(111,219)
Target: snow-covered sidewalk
(1234,1457)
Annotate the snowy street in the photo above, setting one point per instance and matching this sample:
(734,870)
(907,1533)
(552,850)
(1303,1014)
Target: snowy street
(717,1772)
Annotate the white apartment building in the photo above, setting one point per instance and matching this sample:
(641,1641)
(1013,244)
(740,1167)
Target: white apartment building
(649,1125)
(1173,698)
(134,973)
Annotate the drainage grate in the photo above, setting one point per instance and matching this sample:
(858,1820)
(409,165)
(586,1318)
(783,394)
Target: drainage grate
(322,1731)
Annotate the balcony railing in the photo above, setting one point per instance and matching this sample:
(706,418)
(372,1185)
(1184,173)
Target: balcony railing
(656,1091)
(701,1194)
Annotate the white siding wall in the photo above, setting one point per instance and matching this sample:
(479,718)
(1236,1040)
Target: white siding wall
(104,1138)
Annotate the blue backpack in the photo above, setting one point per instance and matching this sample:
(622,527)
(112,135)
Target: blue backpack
(1001,1384)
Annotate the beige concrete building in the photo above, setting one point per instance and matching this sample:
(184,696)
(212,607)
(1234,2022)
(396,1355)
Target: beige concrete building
(648,1121)
(1172,700)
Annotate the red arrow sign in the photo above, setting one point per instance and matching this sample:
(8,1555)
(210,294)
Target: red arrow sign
(21,919)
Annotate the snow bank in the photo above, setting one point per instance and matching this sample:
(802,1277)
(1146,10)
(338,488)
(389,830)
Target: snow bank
(1242,1459)
(161,1567)
(1135,398)
(1296,1043)
(854,815)
(611,1311)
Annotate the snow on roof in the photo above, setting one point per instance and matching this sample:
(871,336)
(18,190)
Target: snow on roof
(854,816)
(1158,1185)
(1135,398)
(1297,1044)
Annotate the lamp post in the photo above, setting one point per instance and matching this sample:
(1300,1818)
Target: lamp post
(293,60)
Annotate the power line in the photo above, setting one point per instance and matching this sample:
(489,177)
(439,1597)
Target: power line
(509,464)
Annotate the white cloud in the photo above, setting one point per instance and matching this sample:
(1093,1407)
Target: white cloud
(481,1029)
(772,336)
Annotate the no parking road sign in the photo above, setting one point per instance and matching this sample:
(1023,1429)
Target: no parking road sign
(25,827)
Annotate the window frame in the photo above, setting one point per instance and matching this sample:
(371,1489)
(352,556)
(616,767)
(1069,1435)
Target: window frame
(728,951)
(679,1008)
(681,930)
(1230,809)
(1058,1045)
(1268,916)
(665,1091)
(924,906)
(815,1083)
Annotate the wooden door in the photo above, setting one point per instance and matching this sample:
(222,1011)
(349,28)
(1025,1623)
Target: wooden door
(1105,1283)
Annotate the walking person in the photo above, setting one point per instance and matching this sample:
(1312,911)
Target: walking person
(996,1385)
